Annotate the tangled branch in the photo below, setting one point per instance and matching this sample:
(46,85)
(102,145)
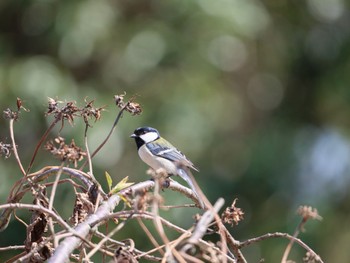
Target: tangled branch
(51,238)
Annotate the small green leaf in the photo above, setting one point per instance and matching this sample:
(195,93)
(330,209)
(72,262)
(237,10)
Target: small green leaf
(109,181)
(121,185)
(125,200)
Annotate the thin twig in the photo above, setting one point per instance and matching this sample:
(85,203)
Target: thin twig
(54,186)
(19,219)
(209,206)
(150,216)
(278,235)
(159,226)
(105,239)
(88,152)
(234,244)
(46,211)
(42,139)
(17,194)
(108,136)
(155,210)
(204,222)
(67,180)
(52,198)
(291,242)
(149,235)
(11,248)
(12,135)
(119,243)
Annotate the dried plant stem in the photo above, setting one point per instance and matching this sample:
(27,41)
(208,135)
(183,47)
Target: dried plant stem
(209,206)
(11,248)
(88,152)
(118,243)
(291,241)
(279,235)
(108,136)
(67,246)
(17,257)
(150,216)
(150,236)
(12,135)
(204,222)
(52,198)
(104,240)
(157,222)
(160,229)
(48,212)
(67,180)
(234,244)
(42,139)
(54,186)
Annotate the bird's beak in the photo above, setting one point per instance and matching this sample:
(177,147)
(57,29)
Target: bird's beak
(133,135)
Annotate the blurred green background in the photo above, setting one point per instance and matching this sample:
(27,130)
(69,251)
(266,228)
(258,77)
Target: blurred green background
(256,93)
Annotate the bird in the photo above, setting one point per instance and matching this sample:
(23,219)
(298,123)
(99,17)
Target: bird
(158,153)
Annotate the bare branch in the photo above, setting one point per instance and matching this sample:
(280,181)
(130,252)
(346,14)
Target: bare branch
(279,235)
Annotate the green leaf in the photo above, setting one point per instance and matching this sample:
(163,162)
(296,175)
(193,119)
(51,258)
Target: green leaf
(121,185)
(109,181)
(125,200)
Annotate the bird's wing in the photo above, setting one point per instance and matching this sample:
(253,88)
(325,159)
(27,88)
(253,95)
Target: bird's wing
(164,149)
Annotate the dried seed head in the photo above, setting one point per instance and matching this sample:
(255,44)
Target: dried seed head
(53,105)
(232,215)
(10,115)
(89,111)
(134,108)
(130,106)
(5,149)
(308,212)
(71,153)
(82,208)
(119,100)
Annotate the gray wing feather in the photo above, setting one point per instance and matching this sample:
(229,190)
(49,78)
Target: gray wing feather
(168,151)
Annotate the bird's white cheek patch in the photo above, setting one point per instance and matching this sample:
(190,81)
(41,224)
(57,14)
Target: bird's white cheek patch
(149,137)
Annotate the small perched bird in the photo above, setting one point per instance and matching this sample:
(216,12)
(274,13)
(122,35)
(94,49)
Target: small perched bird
(159,153)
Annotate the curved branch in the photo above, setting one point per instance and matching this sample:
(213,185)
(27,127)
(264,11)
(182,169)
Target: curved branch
(67,246)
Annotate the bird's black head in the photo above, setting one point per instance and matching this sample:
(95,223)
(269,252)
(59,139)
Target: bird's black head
(144,135)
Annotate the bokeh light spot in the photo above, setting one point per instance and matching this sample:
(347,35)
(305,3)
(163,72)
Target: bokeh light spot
(227,53)
(265,91)
(143,53)
(326,10)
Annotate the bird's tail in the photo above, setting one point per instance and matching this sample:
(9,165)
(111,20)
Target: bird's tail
(184,175)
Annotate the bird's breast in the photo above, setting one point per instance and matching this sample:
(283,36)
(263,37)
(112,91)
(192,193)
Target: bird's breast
(156,162)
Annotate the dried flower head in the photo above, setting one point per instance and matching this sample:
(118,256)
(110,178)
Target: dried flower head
(308,212)
(53,105)
(119,100)
(20,106)
(130,106)
(65,152)
(89,111)
(82,208)
(5,149)
(232,215)
(69,111)
(10,114)
(66,112)
(134,108)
